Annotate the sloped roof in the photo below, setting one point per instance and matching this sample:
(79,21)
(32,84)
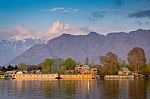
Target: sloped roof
(125,69)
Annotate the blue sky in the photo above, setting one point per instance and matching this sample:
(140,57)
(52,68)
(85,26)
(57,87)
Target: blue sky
(78,16)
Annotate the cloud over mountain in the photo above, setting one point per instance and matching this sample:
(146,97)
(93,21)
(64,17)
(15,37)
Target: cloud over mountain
(58,27)
(92,45)
(19,33)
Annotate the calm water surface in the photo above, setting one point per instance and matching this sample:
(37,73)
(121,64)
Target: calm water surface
(75,89)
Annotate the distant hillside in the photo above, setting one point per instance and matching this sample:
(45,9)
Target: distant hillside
(9,49)
(92,45)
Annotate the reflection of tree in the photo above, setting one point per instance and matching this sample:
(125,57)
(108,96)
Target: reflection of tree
(69,89)
(138,89)
(87,89)
(132,89)
(148,89)
(20,86)
(58,88)
(47,88)
(110,89)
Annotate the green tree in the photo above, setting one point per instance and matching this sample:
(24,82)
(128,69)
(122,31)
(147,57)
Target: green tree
(10,68)
(16,67)
(110,64)
(3,69)
(47,65)
(137,60)
(148,68)
(21,67)
(69,64)
(86,61)
(78,63)
(57,65)
(122,63)
(92,62)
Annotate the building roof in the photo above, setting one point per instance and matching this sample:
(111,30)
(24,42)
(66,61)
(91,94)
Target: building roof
(125,69)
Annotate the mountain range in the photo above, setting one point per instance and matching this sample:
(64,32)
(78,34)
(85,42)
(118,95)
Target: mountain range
(9,49)
(91,45)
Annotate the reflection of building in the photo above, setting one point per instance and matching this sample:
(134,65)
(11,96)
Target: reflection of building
(87,89)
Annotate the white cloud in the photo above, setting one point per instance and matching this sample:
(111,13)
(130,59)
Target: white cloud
(19,33)
(59,28)
(56,29)
(61,9)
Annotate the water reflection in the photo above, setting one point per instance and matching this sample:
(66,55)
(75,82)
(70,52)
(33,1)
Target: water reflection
(126,89)
(110,88)
(69,89)
(75,89)
(138,89)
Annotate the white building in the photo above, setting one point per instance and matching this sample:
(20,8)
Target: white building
(124,71)
(82,69)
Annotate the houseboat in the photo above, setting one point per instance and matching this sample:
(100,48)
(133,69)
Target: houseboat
(119,76)
(20,75)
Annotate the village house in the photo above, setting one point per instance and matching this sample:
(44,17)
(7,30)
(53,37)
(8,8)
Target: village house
(124,71)
(78,69)
(94,71)
(19,73)
(82,69)
(85,69)
(9,73)
(36,72)
(69,71)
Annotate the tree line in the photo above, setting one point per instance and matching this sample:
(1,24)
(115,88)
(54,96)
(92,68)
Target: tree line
(110,63)
(47,66)
(19,67)
(136,58)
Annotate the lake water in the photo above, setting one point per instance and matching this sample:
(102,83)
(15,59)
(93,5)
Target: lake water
(75,89)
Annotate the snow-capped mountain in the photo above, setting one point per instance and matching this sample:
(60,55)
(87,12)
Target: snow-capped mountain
(14,47)
(92,46)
